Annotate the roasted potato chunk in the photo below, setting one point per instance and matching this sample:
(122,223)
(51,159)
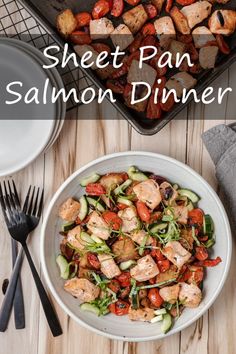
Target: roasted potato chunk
(135,18)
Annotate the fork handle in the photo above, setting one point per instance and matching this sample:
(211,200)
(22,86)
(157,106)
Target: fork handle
(19,310)
(49,311)
(6,308)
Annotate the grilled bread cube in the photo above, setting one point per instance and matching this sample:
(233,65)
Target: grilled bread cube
(97,226)
(170,293)
(82,288)
(165,30)
(208,56)
(145,269)
(190,295)
(101,28)
(66,22)
(73,237)
(201,36)
(111,180)
(124,250)
(176,253)
(171,273)
(69,210)
(143,315)
(223,22)
(180,81)
(135,18)
(129,218)
(180,20)
(138,236)
(187,239)
(148,192)
(122,37)
(197,12)
(147,74)
(84,48)
(108,266)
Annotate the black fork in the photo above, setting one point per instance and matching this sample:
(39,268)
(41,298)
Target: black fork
(19,311)
(20,224)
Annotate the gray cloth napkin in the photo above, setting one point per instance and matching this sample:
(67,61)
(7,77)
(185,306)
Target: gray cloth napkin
(220,142)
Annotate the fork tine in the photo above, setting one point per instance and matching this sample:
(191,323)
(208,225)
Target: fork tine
(25,207)
(11,195)
(29,211)
(3,206)
(17,199)
(7,197)
(40,205)
(35,203)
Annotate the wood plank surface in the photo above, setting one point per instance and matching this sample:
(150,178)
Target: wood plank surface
(81,141)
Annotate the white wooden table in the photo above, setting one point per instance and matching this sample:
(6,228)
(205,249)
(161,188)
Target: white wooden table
(80,142)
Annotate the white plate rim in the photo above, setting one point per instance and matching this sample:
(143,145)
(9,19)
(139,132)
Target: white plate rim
(146,154)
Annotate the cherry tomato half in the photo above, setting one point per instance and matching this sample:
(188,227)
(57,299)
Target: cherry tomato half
(223,46)
(112,219)
(201,253)
(95,189)
(155,297)
(185,2)
(133,2)
(83,19)
(143,211)
(100,9)
(117,8)
(151,10)
(196,217)
(119,308)
(93,260)
(124,279)
(80,37)
(163,265)
(148,29)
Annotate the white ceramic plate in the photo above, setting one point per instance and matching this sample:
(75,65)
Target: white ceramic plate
(120,327)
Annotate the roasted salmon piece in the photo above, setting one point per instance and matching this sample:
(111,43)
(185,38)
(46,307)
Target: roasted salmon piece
(108,266)
(190,295)
(148,192)
(82,288)
(145,269)
(69,210)
(97,226)
(170,293)
(176,253)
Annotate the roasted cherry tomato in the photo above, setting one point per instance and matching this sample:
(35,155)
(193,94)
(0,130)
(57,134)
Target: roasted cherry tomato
(114,285)
(195,217)
(158,254)
(151,10)
(161,71)
(143,211)
(194,275)
(195,69)
(154,217)
(115,86)
(110,2)
(100,9)
(223,46)
(203,238)
(169,5)
(148,29)
(95,189)
(122,206)
(117,8)
(185,2)
(120,71)
(83,19)
(152,280)
(201,253)
(154,110)
(121,307)
(124,279)
(112,219)
(133,2)
(164,265)
(155,297)
(209,262)
(191,49)
(112,308)
(101,47)
(136,44)
(124,292)
(185,38)
(80,37)
(149,40)
(168,105)
(93,260)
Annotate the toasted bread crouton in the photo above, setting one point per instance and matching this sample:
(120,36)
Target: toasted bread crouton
(69,210)
(74,239)
(111,180)
(108,266)
(197,12)
(170,293)
(180,20)
(82,288)
(143,315)
(101,28)
(135,18)
(66,22)
(124,250)
(122,36)
(145,269)
(158,4)
(208,56)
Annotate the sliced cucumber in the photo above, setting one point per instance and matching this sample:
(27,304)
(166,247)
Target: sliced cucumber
(124,201)
(159,227)
(83,208)
(136,175)
(189,194)
(96,204)
(96,239)
(135,301)
(86,237)
(63,266)
(209,243)
(208,225)
(91,308)
(157,319)
(122,187)
(90,179)
(68,226)
(160,312)
(127,264)
(167,323)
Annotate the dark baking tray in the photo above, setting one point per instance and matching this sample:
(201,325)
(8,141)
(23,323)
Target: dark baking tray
(46,12)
